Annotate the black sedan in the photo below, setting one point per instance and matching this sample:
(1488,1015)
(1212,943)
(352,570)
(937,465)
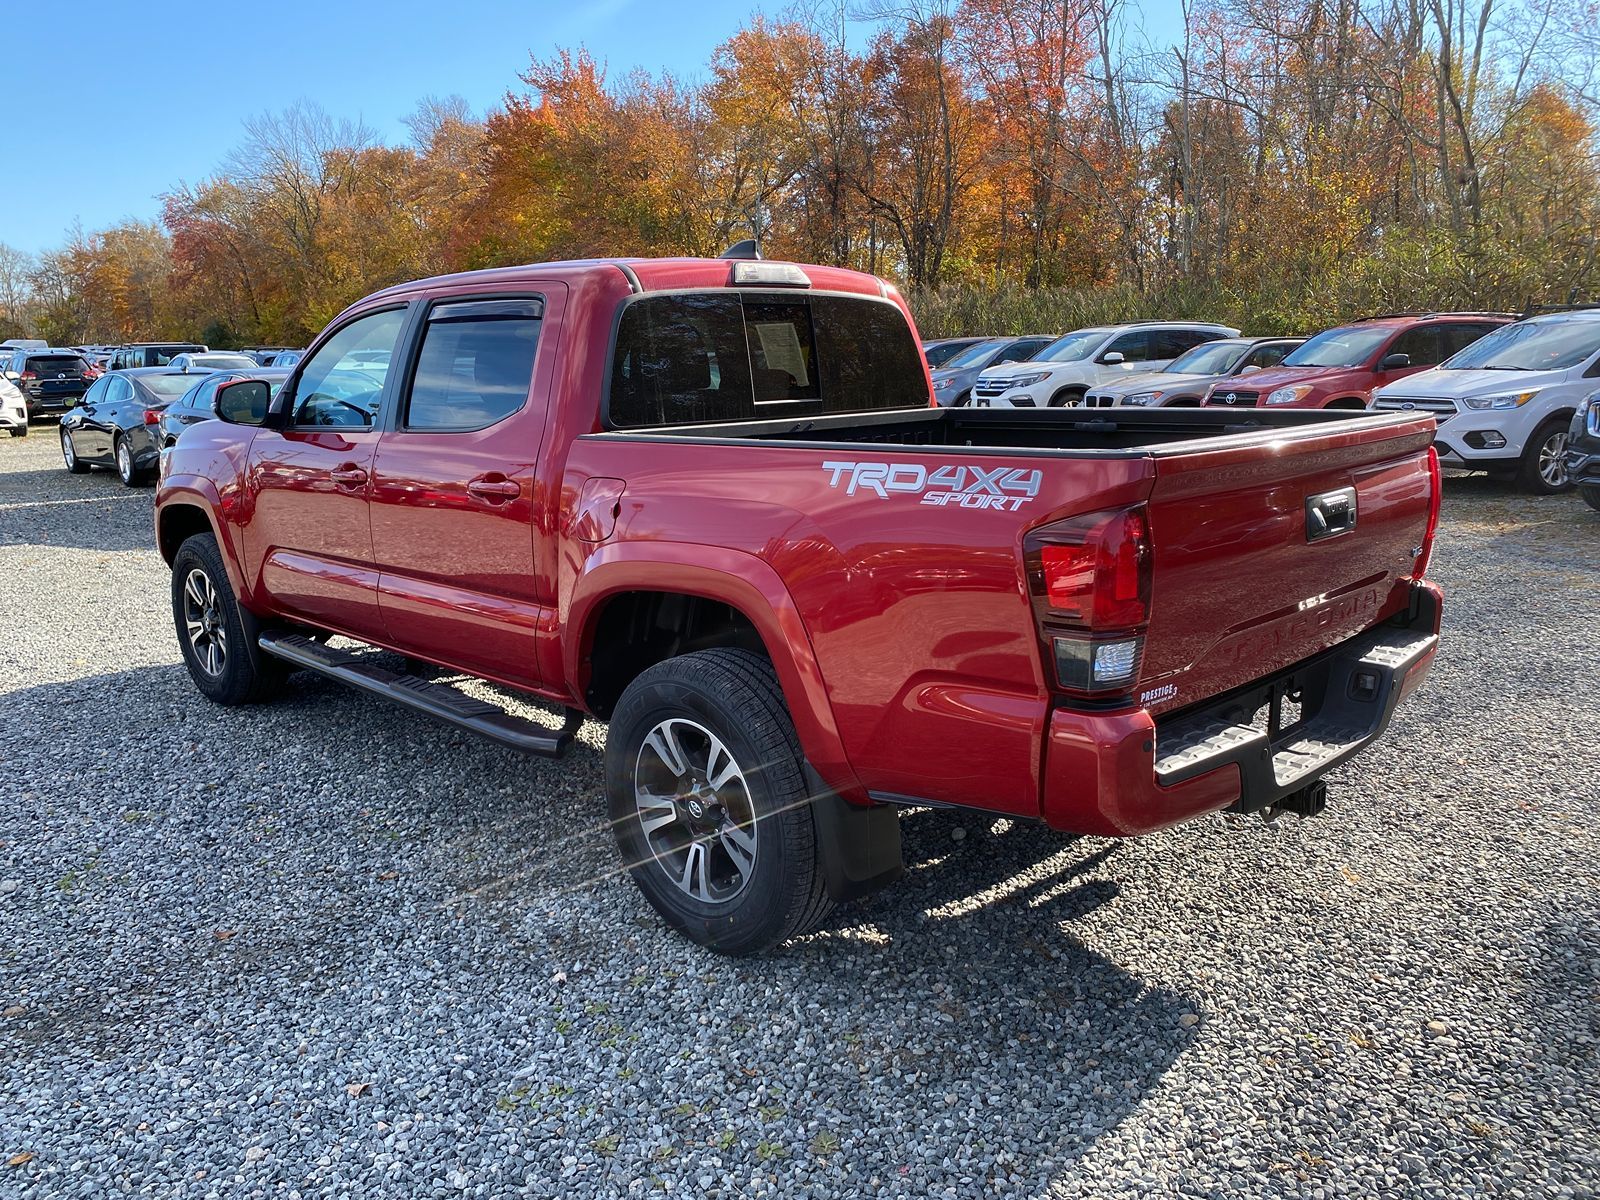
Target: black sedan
(115,424)
(199,403)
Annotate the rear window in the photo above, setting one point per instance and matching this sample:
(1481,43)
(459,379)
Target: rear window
(166,387)
(55,364)
(728,356)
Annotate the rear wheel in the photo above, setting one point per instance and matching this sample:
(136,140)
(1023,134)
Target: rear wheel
(1591,495)
(130,475)
(1067,398)
(212,629)
(75,465)
(1543,469)
(19,431)
(709,802)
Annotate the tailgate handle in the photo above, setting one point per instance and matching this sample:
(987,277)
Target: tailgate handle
(1328,514)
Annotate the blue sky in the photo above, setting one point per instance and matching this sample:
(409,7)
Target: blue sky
(151,94)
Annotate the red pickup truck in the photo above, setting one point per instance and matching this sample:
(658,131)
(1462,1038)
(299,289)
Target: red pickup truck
(709,502)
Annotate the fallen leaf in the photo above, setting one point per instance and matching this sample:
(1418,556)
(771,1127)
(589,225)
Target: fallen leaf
(1349,875)
(388,875)
(354,1090)
(223,935)
(17,1160)
(559,977)
(15,1010)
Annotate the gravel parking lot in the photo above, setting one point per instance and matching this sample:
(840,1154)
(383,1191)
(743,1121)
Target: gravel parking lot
(324,947)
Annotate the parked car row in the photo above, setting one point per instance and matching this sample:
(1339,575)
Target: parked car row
(1505,391)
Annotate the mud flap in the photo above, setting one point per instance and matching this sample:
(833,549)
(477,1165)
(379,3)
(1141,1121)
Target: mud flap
(858,849)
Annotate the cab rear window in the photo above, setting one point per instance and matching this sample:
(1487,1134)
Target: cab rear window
(699,357)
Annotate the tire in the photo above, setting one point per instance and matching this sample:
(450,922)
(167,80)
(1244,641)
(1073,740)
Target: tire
(220,659)
(1067,396)
(733,868)
(1591,495)
(19,431)
(75,465)
(1543,469)
(130,475)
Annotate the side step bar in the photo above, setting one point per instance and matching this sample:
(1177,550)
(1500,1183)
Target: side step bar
(436,699)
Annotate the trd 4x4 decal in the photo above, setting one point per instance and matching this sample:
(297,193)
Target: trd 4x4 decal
(964,486)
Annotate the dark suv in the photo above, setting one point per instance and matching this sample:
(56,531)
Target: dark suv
(150,354)
(51,381)
(1583,450)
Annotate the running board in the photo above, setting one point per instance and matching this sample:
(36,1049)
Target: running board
(438,700)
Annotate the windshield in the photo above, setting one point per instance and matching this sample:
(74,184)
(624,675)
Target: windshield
(167,387)
(1545,345)
(1072,347)
(1349,347)
(1217,358)
(972,356)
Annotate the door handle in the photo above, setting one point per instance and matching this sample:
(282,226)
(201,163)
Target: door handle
(496,489)
(348,476)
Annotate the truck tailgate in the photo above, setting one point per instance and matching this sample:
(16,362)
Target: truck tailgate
(1272,549)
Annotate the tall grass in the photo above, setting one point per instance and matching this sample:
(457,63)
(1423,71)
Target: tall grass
(1431,274)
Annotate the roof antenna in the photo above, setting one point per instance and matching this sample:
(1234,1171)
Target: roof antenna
(744,249)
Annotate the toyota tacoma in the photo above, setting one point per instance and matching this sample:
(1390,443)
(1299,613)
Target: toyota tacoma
(709,502)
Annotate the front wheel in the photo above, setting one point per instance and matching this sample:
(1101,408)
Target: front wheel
(75,465)
(1067,398)
(1591,495)
(1543,469)
(709,802)
(19,431)
(212,629)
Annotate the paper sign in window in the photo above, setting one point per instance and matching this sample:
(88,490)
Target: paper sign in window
(780,346)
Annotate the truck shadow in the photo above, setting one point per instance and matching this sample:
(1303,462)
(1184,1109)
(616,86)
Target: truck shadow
(323,843)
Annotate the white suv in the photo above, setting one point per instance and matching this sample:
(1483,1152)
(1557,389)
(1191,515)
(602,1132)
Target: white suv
(1063,371)
(1505,402)
(13,409)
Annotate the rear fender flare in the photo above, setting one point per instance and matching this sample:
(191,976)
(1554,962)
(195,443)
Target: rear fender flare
(730,577)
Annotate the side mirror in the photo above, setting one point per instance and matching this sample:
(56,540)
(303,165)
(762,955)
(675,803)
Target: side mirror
(1112,357)
(1395,362)
(1249,369)
(244,402)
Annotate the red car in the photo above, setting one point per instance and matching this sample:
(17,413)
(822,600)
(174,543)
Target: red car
(708,501)
(1339,368)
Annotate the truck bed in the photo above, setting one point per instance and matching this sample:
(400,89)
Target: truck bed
(900,536)
(1073,432)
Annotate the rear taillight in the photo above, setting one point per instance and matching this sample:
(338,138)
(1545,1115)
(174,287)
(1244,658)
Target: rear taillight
(91,373)
(27,375)
(1090,582)
(1435,498)
(152,416)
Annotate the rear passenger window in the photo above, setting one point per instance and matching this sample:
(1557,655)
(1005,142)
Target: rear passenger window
(475,366)
(727,356)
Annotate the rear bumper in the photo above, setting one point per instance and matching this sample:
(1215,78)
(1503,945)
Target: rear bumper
(1122,773)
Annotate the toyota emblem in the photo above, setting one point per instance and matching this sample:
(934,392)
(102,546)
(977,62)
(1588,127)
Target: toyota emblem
(1230,398)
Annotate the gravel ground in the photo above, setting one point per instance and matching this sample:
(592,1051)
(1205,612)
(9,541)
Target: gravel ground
(326,948)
